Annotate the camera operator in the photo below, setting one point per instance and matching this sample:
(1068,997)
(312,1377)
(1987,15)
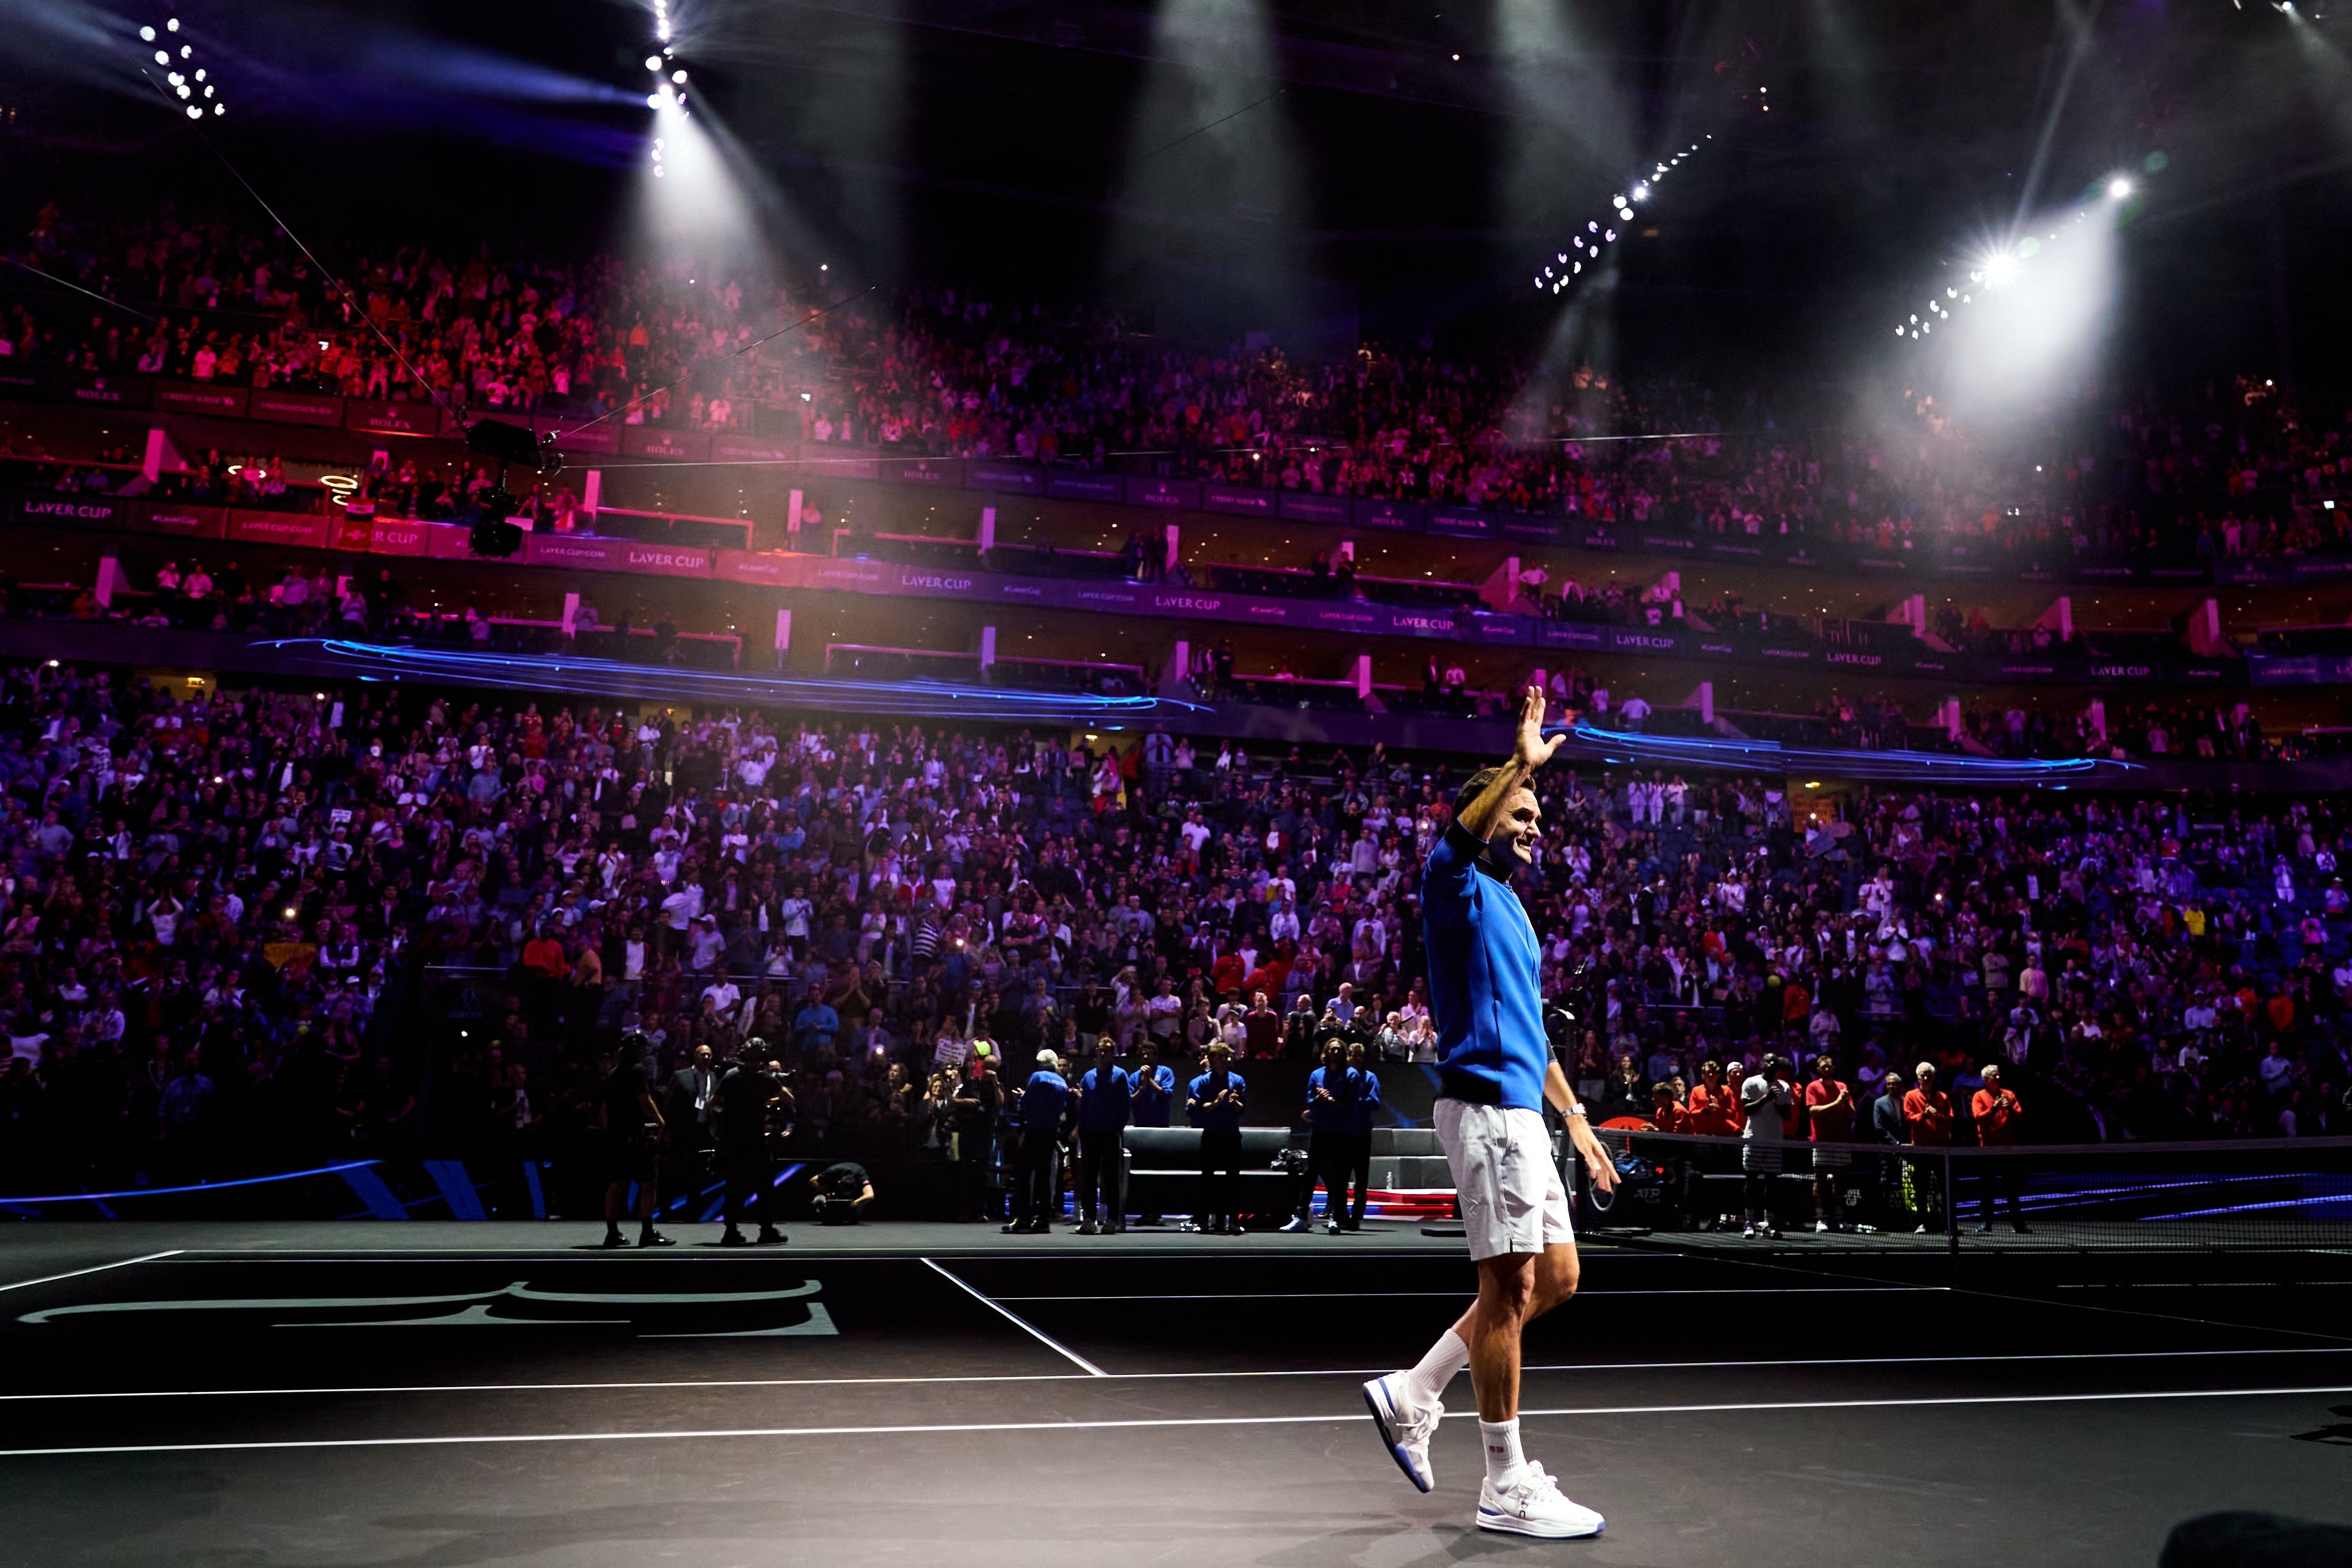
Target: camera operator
(632,1127)
(843,1192)
(748,1100)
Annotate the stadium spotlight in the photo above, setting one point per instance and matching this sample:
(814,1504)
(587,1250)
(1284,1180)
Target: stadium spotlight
(146,34)
(2118,188)
(2000,268)
(653,62)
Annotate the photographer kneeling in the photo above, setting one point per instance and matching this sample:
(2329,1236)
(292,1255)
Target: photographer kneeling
(843,1192)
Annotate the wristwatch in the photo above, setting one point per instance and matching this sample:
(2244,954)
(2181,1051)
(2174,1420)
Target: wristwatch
(1578,1110)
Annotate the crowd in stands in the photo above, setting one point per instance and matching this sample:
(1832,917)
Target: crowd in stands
(242,924)
(2172,969)
(2225,470)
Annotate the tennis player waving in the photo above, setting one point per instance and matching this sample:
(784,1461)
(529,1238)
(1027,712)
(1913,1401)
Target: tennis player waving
(1495,1073)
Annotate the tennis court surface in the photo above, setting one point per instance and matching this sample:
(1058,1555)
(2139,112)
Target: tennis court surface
(316,1396)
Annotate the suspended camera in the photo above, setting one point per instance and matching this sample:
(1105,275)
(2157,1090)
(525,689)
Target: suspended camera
(492,535)
(513,443)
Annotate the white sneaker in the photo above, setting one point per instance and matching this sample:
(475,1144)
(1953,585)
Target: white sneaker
(1531,1505)
(1404,1433)
(1821,1227)
(1748,1234)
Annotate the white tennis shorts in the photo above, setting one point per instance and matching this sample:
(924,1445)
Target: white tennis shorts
(1510,1189)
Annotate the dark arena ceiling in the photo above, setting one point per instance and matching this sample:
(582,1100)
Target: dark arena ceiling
(1412,163)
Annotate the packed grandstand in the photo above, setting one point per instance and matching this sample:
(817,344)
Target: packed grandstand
(243,906)
(2226,469)
(233,909)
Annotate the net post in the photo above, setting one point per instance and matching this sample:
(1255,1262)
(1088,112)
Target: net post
(1951,1210)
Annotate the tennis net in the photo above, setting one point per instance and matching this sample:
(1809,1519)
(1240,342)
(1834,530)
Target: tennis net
(2276,1194)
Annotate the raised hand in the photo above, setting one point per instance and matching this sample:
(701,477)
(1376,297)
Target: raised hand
(1533,750)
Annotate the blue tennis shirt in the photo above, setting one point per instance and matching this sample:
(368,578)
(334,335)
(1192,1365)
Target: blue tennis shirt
(1044,1099)
(1483,989)
(1103,1101)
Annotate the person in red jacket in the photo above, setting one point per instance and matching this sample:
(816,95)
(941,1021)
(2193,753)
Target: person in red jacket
(1927,1115)
(1927,1111)
(1715,1113)
(1667,1116)
(1714,1104)
(1997,1114)
(1829,1119)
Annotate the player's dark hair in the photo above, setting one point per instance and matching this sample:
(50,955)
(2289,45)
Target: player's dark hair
(1469,791)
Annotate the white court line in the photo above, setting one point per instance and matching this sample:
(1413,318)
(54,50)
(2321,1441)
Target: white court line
(1019,1322)
(2208,1285)
(95,1269)
(510,1437)
(1169,1377)
(1462,1294)
(875,1254)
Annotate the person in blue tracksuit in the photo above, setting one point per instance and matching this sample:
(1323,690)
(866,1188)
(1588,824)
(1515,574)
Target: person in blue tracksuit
(1152,1085)
(1330,1095)
(1037,1188)
(1106,1100)
(1215,1101)
(1364,1106)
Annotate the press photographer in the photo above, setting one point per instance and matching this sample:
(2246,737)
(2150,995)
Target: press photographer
(843,1192)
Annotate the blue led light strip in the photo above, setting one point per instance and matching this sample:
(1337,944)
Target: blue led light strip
(200,1187)
(1923,766)
(918,697)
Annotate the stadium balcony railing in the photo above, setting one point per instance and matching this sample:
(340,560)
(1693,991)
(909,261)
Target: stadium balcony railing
(2294,640)
(513,634)
(864,662)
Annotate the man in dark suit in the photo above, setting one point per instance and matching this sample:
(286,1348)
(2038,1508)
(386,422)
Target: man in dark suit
(690,1109)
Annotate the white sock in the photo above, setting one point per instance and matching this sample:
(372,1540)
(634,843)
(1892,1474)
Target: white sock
(1424,1385)
(1503,1459)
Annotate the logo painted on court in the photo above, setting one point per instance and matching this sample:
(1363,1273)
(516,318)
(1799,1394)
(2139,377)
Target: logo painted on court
(792,1313)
